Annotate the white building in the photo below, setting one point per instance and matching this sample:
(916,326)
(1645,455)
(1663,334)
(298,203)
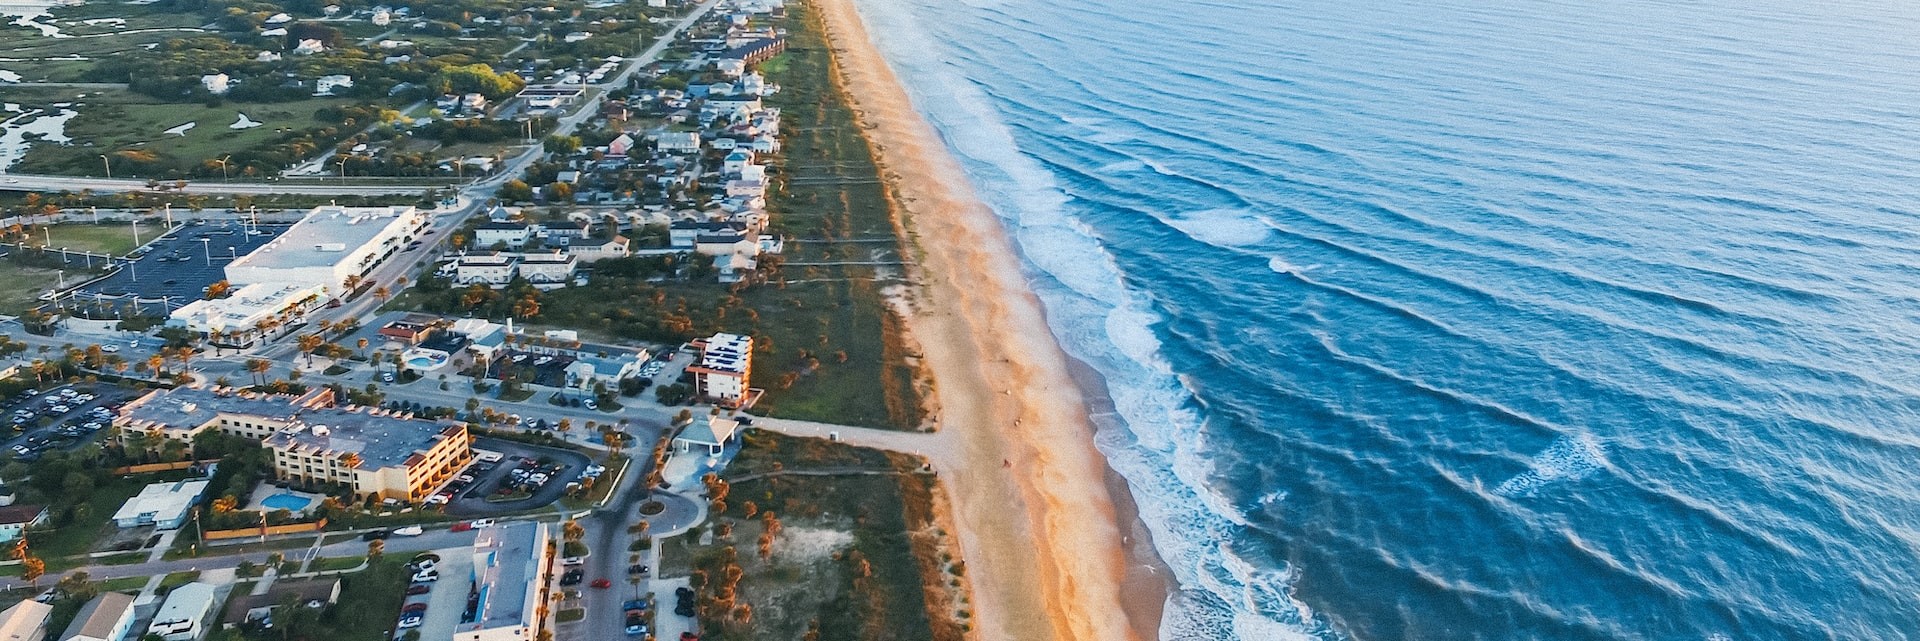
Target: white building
(216,83)
(327,84)
(381,17)
(306,47)
(241,318)
(512,574)
(184,615)
(677,142)
(547,271)
(492,270)
(329,245)
(15,520)
(108,617)
(736,161)
(513,235)
(724,369)
(709,438)
(165,506)
(267,56)
(592,249)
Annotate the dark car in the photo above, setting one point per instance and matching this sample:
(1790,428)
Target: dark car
(636,623)
(374,535)
(414,607)
(572,577)
(637,568)
(418,590)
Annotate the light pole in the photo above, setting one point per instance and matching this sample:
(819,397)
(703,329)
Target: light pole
(109,165)
(206,245)
(134,222)
(343,171)
(223,168)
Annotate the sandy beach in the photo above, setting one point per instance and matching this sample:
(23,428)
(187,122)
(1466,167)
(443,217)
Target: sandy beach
(1047,549)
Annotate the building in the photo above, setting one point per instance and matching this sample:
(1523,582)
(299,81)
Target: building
(492,270)
(249,314)
(108,617)
(306,47)
(181,413)
(326,85)
(757,50)
(409,329)
(183,617)
(592,249)
(330,245)
(25,621)
(511,235)
(677,142)
(620,146)
(512,574)
(709,438)
(686,233)
(724,369)
(15,520)
(543,97)
(258,608)
(216,83)
(370,451)
(547,271)
(164,506)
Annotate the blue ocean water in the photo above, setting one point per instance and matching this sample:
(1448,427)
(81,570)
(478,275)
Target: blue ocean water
(1495,320)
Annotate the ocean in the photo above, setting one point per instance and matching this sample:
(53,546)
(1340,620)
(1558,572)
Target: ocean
(1475,320)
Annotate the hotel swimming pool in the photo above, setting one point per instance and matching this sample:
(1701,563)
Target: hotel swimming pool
(284,501)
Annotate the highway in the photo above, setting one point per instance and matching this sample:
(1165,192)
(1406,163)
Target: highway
(37,182)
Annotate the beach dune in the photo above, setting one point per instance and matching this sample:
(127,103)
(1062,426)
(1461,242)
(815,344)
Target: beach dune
(1036,520)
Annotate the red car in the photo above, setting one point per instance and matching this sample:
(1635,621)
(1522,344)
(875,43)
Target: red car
(601,583)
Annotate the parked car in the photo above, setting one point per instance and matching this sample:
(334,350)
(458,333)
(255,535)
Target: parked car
(426,576)
(480,523)
(374,535)
(636,623)
(573,561)
(411,530)
(637,569)
(414,607)
(411,621)
(601,584)
(572,577)
(418,590)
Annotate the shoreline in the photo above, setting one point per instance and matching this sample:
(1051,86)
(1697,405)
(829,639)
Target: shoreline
(1050,535)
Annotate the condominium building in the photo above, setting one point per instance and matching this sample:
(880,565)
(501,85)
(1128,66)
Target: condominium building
(725,366)
(182,413)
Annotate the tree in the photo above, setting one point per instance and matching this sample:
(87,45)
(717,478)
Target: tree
(572,531)
(219,289)
(308,343)
(515,190)
(477,78)
(375,548)
(559,144)
(259,367)
(31,569)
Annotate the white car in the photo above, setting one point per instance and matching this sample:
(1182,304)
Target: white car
(426,576)
(411,530)
(480,523)
(572,561)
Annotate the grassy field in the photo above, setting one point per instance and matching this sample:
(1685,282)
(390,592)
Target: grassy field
(857,555)
(78,537)
(119,120)
(369,602)
(324,564)
(38,58)
(115,239)
(21,286)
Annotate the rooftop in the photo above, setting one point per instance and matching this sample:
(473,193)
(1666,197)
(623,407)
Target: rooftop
(506,562)
(714,432)
(325,236)
(99,617)
(163,499)
(380,438)
(17,514)
(23,621)
(726,353)
(188,407)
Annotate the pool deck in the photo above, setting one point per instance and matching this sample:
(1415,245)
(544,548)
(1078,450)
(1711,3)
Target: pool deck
(264,491)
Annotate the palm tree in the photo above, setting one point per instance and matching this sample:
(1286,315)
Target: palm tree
(308,343)
(258,367)
(362,345)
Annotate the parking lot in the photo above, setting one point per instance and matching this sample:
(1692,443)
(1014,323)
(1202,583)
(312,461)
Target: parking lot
(560,466)
(174,270)
(72,415)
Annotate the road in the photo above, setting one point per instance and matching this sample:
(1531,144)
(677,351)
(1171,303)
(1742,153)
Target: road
(38,182)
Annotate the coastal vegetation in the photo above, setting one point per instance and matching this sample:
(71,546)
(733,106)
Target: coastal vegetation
(821,540)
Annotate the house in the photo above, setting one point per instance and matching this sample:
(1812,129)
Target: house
(565,232)
(276,32)
(577,36)
(686,232)
(735,161)
(709,438)
(725,243)
(308,47)
(327,84)
(492,270)
(267,56)
(764,144)
(108,617)
(734,267)
(473,103)
(410,329)
(15,520)
(596,248)
(513,235)
(753,84)
(216,83)
(165,506)
(381,17)
(183,617)
(746,188)
(677,142)
(258,608)
(730,67)
(620,146)
(657,4)
(279,18)
(25,621)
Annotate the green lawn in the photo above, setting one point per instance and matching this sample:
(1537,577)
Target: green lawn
(324,564)
(124,584)
(114,239)
(178,579)
(77,537)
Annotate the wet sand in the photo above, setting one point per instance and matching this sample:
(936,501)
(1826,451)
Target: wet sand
(1052,546)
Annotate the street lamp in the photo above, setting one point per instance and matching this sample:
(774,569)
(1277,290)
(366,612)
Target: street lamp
(108,165)
(343,170)
(223,168)
(206,245)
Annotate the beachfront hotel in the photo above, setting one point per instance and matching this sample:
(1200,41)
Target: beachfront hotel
(369,451)
(724,369)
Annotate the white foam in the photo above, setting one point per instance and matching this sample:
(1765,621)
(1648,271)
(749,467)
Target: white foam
(1121,167)
(1226,228)
(1568,458)
(1158,443)
(1280,266)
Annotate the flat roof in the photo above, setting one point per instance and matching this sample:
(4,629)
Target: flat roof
(506,560)
(325,236)
(379,438)
(168,500)
(186,407)
(726,352)
(186,603)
